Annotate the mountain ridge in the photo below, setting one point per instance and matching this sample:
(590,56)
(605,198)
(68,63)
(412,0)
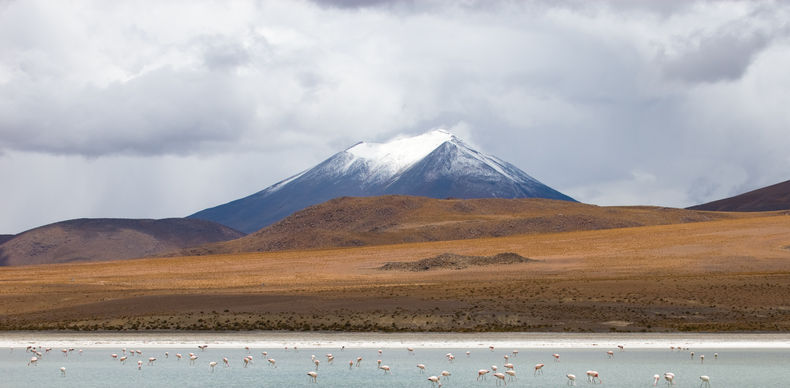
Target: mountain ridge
(106,239)
(768,198)
(435,164)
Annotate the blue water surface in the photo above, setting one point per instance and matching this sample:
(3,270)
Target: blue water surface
(95,367)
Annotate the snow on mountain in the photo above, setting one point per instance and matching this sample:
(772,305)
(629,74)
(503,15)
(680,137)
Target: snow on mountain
(435,164)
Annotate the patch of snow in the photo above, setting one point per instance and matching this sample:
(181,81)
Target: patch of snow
(384,160)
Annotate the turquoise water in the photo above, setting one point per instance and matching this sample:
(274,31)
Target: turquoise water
(734,367)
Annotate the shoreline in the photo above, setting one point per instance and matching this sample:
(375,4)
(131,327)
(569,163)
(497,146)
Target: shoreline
(280,339)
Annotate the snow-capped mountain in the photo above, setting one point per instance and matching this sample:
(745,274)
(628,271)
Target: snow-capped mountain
(435,164)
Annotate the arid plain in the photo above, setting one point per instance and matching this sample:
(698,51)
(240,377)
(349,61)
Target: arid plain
(729,274)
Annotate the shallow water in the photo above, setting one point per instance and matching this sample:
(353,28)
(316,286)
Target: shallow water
(760,366)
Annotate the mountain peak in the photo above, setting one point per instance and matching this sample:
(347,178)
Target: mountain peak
(434,164)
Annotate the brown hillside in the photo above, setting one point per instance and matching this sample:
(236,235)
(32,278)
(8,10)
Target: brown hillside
(774,197)
(726,275)
(365,221)
(109,239)
(5,237)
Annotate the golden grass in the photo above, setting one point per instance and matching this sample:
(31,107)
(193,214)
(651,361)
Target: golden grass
(696,276)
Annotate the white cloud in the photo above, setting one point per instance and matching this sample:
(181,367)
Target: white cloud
(223,99)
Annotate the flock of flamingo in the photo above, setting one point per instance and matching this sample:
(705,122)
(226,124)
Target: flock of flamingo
(508,374)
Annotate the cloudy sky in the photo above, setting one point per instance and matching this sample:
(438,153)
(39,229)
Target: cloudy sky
(159,109)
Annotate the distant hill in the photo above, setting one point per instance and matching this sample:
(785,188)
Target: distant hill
(360,221)
(109,239)
(774,197)
(5,237)
(435,164)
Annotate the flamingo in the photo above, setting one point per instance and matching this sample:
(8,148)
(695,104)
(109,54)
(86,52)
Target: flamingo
(63,371)
(655,379)
(446,374)
(434,380)
(151,360)
(313,376)
(509,366)
(715,356)
(422,368)
(247,348)
(139,364)
(500,376)
(192,359)
(211,365)
(538,369)
(264,354)
(272,362)
(330,358)
(610,354)
(410,350)
(350,364)
(359,359)
(494,368)
(506,357)
(33,360)
(511,374)
(592,376)
(378,363)
(571,379)
(246,361)
(670,378)
(123,360)
(692,355)
(515,352)
(225,360)
(316,362)
(65,352)
(468,353)
(701,358)
(622,348)
(114,356)
(386,369)
(556,357)
(379,352)
(491,348)
(167,355)
(705,381)
(482,373)
(178,356)
(202,347)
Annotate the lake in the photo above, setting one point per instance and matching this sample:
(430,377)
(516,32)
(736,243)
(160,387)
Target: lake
(744,360)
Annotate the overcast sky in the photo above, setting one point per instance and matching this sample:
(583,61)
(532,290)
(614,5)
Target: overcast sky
(153,109)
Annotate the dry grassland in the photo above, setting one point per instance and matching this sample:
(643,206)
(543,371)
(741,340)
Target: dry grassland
(721,275)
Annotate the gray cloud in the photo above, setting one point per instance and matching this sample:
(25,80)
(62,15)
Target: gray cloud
(666,103)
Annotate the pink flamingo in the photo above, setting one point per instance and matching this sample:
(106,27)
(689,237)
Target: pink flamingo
(622,348)
(571,379)
(359,359)
(433,379)
(446,374)
(272,362)
(509,366)
(655,379)
(511,374)
(313,376)
(705,381)
(225,360)
(386,369)
(33,361)
(316,362)
(151,360)
(63,371)
(482,373)
(178,356)
(211,365)
(592,376)
(139,364)
(610,354)
(500,376)
(556,357)
(421,367)
(670,378)
(123,360)
(538,369)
